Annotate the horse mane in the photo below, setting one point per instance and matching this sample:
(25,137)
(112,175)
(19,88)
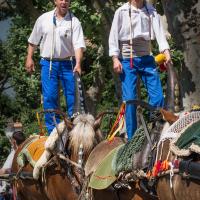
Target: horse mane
(82,133)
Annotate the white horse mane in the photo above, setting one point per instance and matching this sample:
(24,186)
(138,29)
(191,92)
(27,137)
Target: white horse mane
(82,133)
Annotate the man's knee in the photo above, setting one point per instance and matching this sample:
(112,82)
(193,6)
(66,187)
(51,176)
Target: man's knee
(158,101)
(50,101)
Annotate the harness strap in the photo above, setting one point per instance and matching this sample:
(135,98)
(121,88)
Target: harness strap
(142,104)
(69,161)
(145,128)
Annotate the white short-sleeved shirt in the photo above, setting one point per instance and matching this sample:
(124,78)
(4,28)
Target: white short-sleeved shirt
(8,163)
(120,30)
(68,35)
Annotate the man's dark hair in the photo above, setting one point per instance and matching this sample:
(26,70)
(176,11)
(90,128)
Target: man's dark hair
(19,137)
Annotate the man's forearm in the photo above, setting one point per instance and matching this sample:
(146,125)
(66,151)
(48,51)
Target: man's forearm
(30,50)
(79,56)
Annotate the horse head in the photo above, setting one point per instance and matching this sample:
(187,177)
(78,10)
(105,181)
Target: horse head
(83,137)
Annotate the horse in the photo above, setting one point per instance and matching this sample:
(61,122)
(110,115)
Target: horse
(64,154)
(136,190)
(62,174)
(132,189)
(174,185)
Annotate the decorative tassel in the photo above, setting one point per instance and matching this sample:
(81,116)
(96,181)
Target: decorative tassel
(117,125)
(160,59)
(165,165)
(131,62)
(163,68)
(156,168)
(149,174)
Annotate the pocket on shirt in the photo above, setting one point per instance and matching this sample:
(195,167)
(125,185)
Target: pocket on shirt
(64,32)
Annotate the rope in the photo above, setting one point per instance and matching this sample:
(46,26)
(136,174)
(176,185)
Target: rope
(69,161)
(18,173)
(161,151)
(124,158)
(42,131)
(131,41)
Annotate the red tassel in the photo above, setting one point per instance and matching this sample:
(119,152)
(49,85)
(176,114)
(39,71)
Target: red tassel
(156,168)
(165,165)
(131,63)
(149,174)
(162,67)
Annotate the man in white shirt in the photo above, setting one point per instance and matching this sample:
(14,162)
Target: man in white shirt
(16,138)
(135,24)
(61,40)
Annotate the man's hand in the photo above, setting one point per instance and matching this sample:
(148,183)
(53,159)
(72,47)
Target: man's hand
(77,68)
(117,66)
(30,65)
(168,60)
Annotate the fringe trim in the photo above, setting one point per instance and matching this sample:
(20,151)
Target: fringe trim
(195,148)
(174,149)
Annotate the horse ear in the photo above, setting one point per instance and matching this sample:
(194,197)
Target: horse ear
(99,118)
(168,116)
(68,124)
(98,121)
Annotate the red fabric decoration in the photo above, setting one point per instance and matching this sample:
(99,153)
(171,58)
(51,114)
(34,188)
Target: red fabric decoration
(156,168)
(176,164)
(162,67)
(131,62)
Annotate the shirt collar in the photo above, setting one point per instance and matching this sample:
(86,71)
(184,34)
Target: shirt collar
(127,7)
(65,17)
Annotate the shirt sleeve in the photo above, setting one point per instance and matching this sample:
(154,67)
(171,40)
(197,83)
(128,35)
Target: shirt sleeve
(8,163)
(78,37)
(114,36)
(36,34)
(160,33)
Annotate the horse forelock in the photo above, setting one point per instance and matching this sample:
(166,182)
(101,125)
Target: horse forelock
(84,118)
(82,133)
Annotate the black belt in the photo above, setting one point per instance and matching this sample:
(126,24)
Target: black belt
(59,59)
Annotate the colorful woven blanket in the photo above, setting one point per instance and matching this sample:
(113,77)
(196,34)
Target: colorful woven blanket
(32,151)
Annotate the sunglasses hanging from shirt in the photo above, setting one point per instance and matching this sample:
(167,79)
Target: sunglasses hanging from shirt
(53,40)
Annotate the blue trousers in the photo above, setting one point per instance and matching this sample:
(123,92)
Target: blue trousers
(146,68)
(61,71)
(1,197)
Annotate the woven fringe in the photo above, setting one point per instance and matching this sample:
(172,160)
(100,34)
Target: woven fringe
(183,152)
(195,148)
